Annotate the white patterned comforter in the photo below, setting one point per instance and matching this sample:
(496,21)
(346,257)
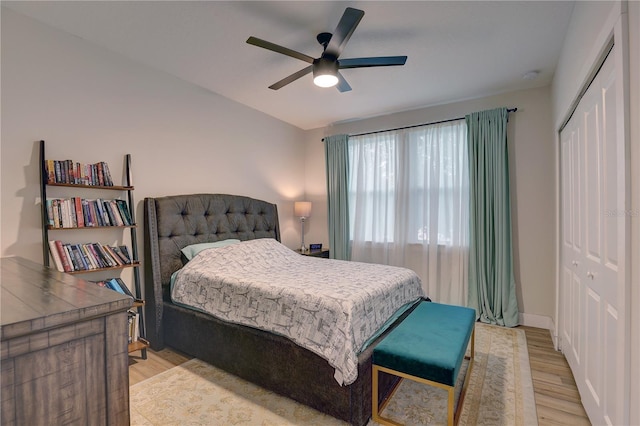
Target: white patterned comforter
(330,307)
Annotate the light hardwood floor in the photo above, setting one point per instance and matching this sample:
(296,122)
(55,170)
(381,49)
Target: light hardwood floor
(557,398)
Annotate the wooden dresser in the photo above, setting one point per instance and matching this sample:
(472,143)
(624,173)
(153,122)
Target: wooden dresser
(64,348)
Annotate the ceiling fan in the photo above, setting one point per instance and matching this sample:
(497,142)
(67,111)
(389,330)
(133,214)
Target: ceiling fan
(326,68)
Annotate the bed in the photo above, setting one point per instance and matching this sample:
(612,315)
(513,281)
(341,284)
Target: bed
(265,358)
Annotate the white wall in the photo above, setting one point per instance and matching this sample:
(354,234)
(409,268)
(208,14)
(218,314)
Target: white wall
(531,151)
(591,25)
(92,105)
(634,113)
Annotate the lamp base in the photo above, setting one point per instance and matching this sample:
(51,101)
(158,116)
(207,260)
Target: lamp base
(302,248)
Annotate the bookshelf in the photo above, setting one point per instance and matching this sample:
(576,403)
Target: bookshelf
(65,210)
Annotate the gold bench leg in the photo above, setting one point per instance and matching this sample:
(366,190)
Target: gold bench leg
(450,410)
(375,407)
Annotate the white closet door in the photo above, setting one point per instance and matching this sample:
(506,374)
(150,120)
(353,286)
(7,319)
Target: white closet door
(592,307)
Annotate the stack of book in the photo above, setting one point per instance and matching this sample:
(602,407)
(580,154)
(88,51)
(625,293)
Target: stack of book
(116,284)
(70,172)
(78,213)
(86,257)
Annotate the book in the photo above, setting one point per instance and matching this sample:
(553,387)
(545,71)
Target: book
(100,174)
(88,214)
(51,171)
(117,216)
(126,289)
(57,260)
(93,211)
(55,207)
(72,259)
(125,251)
(64,257)
(97,256)
(114,256)
(114,285)
(107,174)
(77,255)
(88,256)
(102,215)
(104,256)
(124,211)
(121,255)
(50,213)
(79,212)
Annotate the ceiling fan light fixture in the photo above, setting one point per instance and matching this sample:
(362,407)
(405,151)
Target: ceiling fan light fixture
(325,80)
(325,73)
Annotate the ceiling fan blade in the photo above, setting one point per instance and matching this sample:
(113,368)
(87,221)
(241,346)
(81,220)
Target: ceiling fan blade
(342,85)
(347,25)
(381,61)
(293,77)
(279,49)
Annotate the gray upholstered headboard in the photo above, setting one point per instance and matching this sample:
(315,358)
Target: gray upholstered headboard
(174,222)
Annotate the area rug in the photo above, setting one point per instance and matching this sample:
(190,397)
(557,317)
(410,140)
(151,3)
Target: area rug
(500,392)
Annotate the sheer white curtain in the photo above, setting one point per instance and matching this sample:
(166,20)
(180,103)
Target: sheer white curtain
(409,204)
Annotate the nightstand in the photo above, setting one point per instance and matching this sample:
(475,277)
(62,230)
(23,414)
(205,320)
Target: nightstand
(324,253)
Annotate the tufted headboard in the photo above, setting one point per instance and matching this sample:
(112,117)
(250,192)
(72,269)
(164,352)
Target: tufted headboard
(174,222)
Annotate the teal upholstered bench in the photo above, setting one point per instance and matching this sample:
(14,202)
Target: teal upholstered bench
(428,346)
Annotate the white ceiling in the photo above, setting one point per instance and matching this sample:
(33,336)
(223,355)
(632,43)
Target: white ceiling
(456,50)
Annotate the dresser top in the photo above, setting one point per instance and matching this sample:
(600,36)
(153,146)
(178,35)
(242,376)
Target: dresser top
(35,298)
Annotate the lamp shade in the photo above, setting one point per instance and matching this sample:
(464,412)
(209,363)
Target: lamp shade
(325,72)
(302,208)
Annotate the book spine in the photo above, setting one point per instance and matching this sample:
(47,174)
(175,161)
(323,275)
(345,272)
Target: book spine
(58,172)
(114,284)
(67,266)
(77,201)
(124,212)
(106,205)
(130,319)
(97,256)
(136,327)
(107,258)
(100,174)
(88,256)
(114,256)
(117,215)
(53,249)
(56,212)
(51,171)
(75,250)
(122,257)
(104,218)
(50,213)
(71,257)
(70,172)
(73,220)
(125,251)
(95,217)
(125,288)
(64,217)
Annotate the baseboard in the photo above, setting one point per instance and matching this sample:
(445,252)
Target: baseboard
(538,321)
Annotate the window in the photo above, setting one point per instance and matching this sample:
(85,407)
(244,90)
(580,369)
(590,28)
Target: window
(410,186)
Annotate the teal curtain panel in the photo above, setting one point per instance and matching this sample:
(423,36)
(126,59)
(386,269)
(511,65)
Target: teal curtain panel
(337,163)
(491,281)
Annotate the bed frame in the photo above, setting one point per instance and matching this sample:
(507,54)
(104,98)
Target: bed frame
(268,360)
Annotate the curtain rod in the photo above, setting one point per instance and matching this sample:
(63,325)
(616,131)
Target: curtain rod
(418,125)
